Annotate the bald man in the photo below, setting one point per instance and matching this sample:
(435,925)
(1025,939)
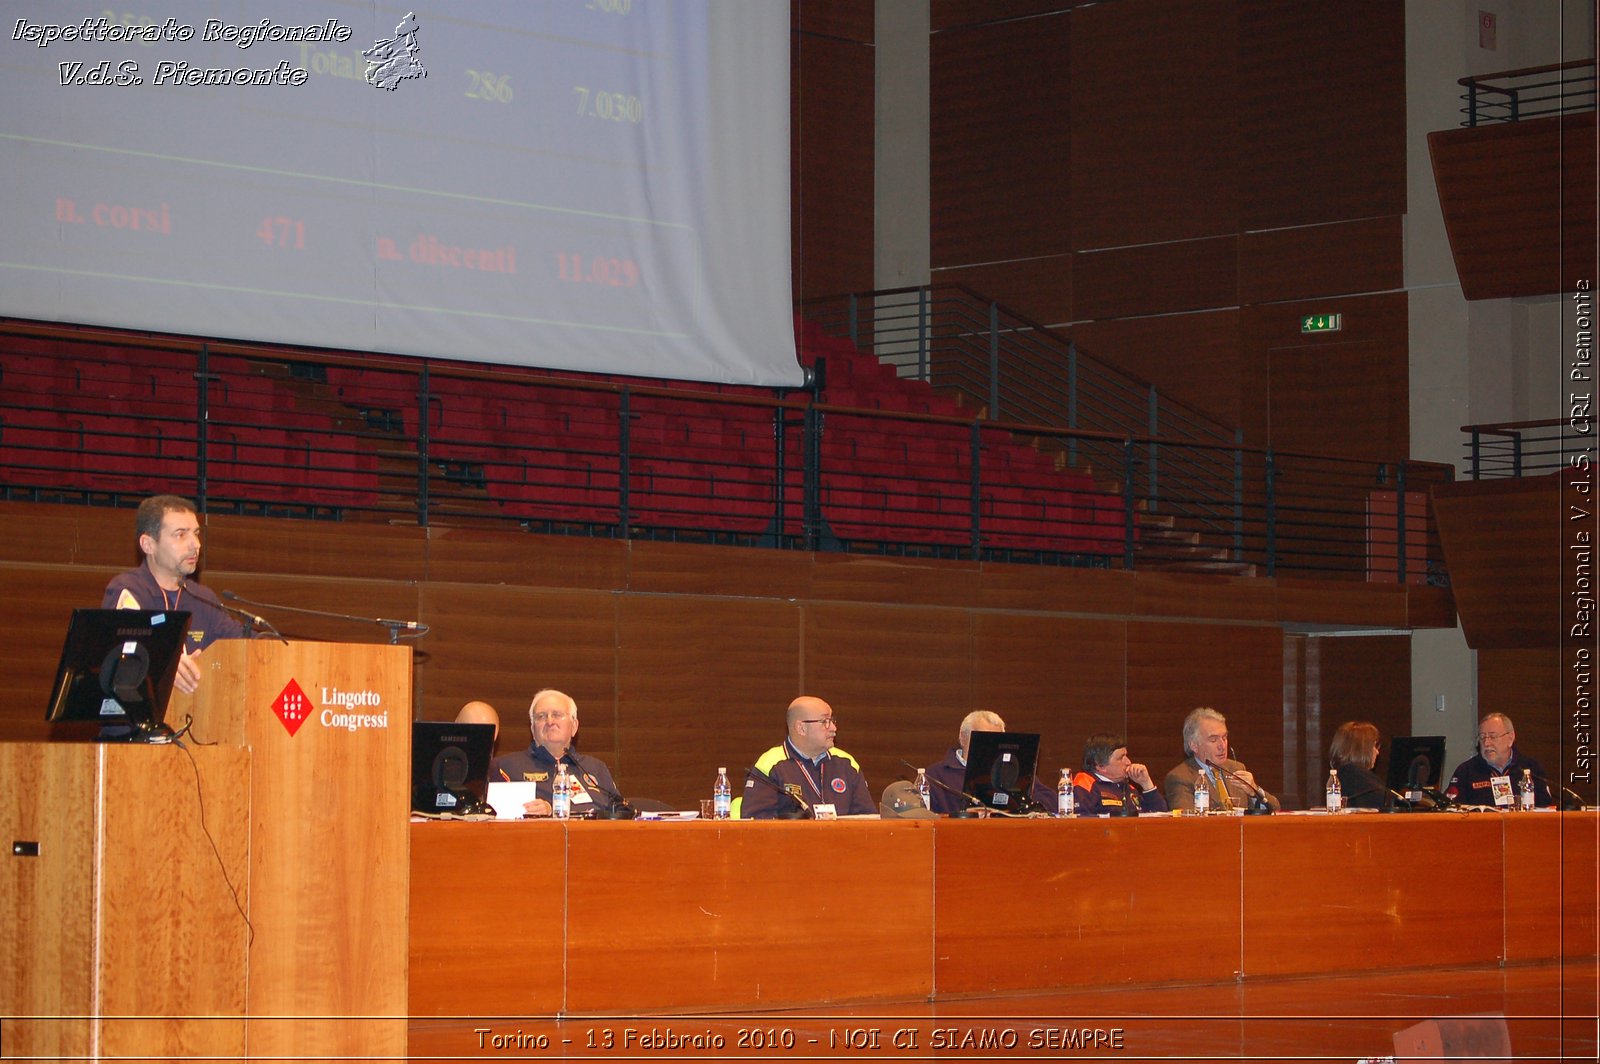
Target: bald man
(481,713)
(810,767)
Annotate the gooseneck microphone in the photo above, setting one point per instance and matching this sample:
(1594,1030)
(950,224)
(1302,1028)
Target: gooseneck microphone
(411,629)
(1258,804)
(617,807)
(796,808)
(251,620)
(961,813)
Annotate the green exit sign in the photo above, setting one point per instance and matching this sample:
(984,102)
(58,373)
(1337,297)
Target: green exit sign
(1316,323)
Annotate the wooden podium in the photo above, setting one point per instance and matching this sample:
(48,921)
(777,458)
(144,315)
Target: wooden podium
(122,936)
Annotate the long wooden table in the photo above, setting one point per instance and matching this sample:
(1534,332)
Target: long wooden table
(548,919)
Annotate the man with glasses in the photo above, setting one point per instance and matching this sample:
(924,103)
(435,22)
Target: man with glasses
(553,718)
(810,767)
(1491,776)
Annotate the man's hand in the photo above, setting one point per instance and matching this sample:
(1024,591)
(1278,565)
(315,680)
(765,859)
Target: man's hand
(188,677)
(1140,775)
(537,807)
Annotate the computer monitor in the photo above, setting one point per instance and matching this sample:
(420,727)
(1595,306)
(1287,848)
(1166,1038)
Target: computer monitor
(1000,769)
(1416,765)
(116,670)
(450,767)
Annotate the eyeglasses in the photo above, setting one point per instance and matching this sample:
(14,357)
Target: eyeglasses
(1487,737)
(825,721)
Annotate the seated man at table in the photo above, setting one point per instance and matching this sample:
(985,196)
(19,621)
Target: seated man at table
(809,768)
(553,718)
(952,771)
(1205,740)
(1492,775)
(1111,780)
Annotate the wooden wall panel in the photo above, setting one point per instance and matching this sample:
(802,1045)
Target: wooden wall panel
(1154,134)
(831,165)
(675,724)
(846,19)
(1164,278)
(896,677)
(949,14)
(479,556)
(502,644)
(1194,358)
(1501,541)
(321,548)
(32,629)
(1344,394)
(999,141)
(1319,261)
(1235,669)
(1037,288)
(1063,677)
(1532,685)
(1519,205)
(1366,678)
(1321,111)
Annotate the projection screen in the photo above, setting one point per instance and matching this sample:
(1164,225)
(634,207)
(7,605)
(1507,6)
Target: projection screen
(597,185)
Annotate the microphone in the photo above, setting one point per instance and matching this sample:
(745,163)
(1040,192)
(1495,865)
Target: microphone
(1130,799)
(1570,799)
(395,627)
(617,807)
(1258,804)
(798,808)
(961,813)
(251,620)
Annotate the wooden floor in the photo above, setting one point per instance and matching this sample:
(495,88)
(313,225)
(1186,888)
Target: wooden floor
(1550,1012)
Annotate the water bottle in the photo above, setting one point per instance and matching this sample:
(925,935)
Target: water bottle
(1335,794)
(1202,794)
(1065,802)
(721,796)
(922,787)
(561,794)
(1525,790)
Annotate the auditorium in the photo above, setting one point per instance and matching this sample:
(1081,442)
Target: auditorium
(816,394)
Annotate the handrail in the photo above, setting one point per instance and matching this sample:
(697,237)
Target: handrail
(349,438)
(1528,448)
(1572,94)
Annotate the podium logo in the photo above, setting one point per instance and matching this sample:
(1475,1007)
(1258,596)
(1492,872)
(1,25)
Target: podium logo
(292,707)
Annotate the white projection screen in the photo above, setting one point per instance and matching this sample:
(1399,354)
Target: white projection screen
(594,185)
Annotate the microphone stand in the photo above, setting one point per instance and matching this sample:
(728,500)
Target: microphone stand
(251,620)
(413,629)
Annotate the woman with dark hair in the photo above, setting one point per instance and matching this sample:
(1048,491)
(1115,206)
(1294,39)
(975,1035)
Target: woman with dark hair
(1353,752)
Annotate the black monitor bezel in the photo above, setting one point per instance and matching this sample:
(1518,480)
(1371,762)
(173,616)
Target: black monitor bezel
(983,749)
(429,738)
(1403,750)
(78,695)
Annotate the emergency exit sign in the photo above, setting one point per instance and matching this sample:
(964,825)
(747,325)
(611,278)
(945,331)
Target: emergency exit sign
(1320,323)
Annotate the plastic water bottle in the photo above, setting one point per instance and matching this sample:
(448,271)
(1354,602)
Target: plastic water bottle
(1335,793)
(561,794)
(1065,800)
(721,796)
(1525,790)
(922,787)
(1202,794)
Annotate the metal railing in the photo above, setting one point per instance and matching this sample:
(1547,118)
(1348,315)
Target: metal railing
(282,432)
(1528,448)
(1530,92)
(1009,367)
